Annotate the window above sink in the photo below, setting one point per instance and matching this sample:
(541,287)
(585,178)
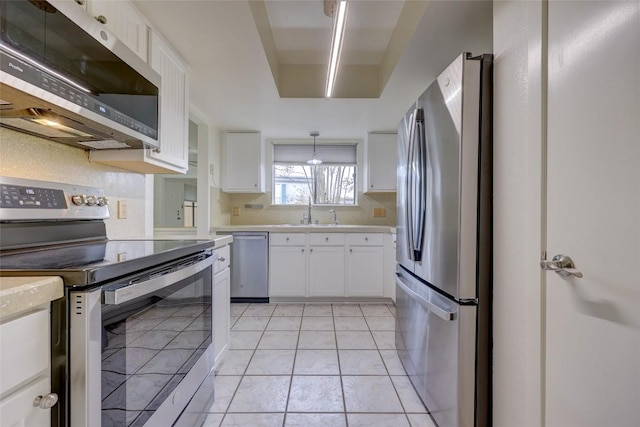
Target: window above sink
(296,183)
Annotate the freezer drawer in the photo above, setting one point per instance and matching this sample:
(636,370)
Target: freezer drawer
(435,339)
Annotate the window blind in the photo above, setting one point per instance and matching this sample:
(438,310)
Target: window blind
(335,154)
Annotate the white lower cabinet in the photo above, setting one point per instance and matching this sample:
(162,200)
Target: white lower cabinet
(221,313)
(222,303)
(288,271)
(326,271)
(365,276)
(365,265)
(17,410)
(326,265)
(25,370)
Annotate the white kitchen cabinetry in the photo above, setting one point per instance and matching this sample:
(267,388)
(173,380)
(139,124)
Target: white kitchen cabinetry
(124,21)
(288,265)
(331,265)
(326,265)
(25,369)
(242,162)
(173,155)
(222,303)
(381,155)
(174,105)
(390,266)
(365,265)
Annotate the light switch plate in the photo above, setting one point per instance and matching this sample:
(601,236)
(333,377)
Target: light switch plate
(122,209)
(236,211)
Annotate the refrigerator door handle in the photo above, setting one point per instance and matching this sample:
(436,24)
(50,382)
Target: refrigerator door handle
(420,176)
(442,313)
(410,182)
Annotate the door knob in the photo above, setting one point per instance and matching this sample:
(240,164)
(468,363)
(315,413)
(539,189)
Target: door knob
(563,265)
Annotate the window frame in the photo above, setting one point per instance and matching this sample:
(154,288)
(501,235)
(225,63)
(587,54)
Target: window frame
(357,172)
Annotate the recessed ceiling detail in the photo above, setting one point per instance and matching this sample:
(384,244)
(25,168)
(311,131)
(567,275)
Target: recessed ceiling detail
(296,38)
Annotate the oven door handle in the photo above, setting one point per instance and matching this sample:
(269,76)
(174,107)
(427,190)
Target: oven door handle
(136,290)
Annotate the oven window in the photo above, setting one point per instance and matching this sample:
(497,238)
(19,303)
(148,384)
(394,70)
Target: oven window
(148,346)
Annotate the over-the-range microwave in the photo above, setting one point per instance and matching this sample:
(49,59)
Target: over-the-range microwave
(65,77)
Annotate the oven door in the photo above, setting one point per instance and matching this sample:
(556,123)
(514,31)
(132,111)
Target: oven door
(141,347)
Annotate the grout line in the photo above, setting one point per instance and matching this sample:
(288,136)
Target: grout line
(344,399)
(340,373)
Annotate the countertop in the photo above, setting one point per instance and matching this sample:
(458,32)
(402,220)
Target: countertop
(19,294)
(315,228)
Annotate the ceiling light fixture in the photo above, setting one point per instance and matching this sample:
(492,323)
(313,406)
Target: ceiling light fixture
(314,160)
(339,24)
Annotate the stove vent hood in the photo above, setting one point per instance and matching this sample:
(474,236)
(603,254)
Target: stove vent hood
(60,127)
(65,77)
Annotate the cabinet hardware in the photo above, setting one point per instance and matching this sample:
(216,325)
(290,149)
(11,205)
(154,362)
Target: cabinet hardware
(45,402)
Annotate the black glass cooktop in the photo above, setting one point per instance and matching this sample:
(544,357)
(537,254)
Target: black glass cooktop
(96,262)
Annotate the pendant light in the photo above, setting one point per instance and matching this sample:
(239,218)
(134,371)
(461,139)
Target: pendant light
(314,160)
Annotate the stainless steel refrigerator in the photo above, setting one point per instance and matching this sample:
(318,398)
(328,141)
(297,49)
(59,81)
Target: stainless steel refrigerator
(443,273)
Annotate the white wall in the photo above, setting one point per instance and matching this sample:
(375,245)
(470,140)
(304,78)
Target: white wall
(517,30)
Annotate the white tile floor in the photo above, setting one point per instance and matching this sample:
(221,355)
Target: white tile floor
(314,365)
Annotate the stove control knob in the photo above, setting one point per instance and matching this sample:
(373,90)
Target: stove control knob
(91,200)
(79,199)
(103,201)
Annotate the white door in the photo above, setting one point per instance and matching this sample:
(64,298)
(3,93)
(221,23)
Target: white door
(593,214)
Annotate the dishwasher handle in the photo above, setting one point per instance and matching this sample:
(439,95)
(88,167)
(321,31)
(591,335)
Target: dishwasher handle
(442,313)
(249,237)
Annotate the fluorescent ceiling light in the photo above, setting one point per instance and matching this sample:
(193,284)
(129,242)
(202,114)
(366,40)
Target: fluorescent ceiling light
(336,45)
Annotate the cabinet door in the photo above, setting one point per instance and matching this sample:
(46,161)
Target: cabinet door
(124,21)
(174,110)
(326,271)
(365,271)
(381,162)
(287,271)
(17,409)
(221,312)
(243,169)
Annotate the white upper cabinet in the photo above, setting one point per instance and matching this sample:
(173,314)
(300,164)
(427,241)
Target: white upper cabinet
(242,162)
(174,105)
(381,155)
(173,155)
(124,21)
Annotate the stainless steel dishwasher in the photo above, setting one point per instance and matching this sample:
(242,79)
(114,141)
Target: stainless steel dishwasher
(250,267)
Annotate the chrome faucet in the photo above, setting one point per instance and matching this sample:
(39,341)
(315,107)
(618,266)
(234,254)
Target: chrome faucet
(335,216)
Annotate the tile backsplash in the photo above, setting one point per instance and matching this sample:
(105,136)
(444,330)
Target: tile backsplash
(254,209)
(26,156)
